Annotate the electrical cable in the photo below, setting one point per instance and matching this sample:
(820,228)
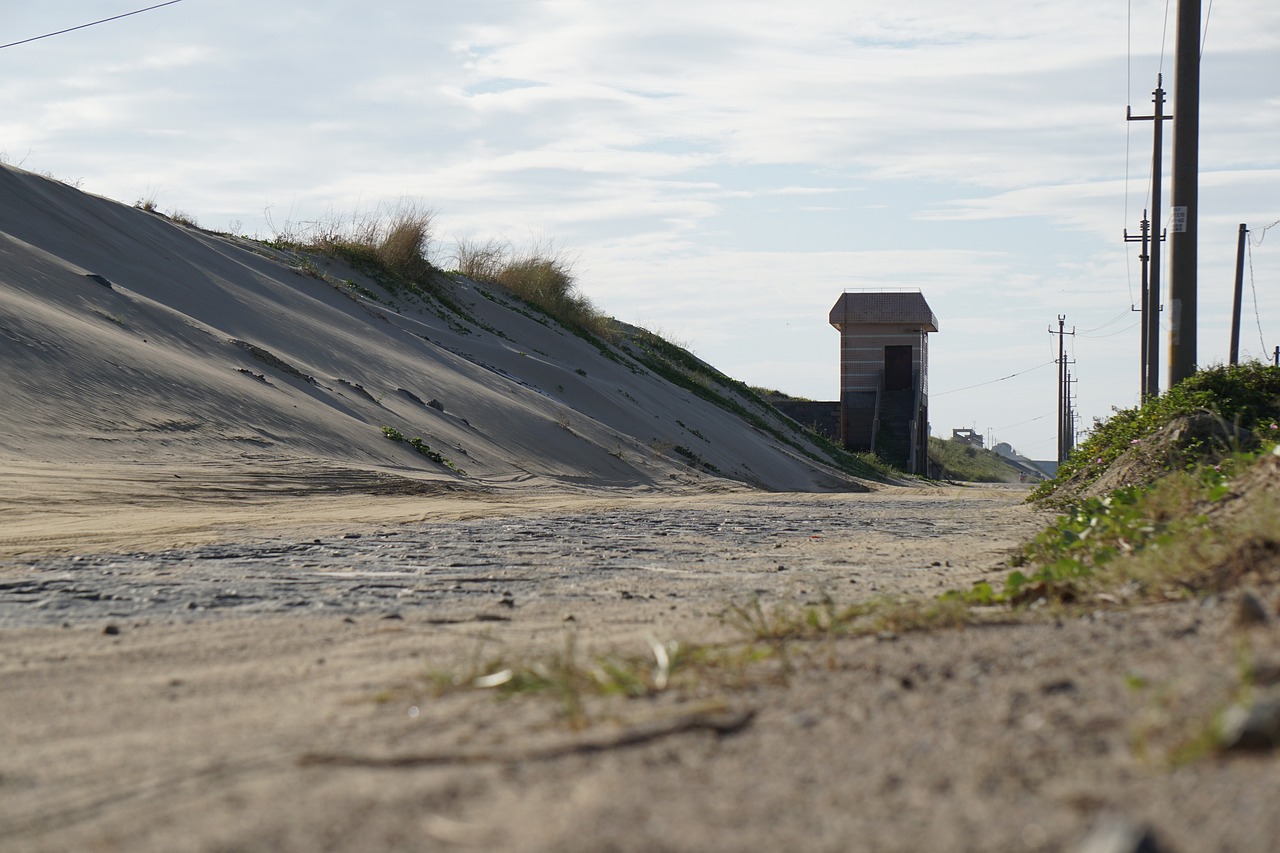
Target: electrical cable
(91,24)
(1257,315)
(1115,319)
(992,381)
(1113,334)
(1164,35)
(1204,29)
(1262,233)
(1024,423)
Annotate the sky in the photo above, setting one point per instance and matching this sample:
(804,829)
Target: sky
(718,171)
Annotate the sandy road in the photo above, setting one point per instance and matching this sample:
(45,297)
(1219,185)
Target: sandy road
(470,557)
(276,690)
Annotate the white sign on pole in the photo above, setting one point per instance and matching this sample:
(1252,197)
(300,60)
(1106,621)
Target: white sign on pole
(1179,220)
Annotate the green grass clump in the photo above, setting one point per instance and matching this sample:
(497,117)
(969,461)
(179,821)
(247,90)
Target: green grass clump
(1162,537)
(1247,395)
(422,447)
(962,461)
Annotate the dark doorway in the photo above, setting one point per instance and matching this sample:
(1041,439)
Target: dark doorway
(897,368)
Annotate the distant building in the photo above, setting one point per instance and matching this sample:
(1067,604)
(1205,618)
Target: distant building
(968,436)
(884,374)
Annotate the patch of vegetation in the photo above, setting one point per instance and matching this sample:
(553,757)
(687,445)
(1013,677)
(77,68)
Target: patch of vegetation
(392,246)
(571,679)
(183,218)
(1246,396)
(695,460)
(422,447)
(827,618)
(960,460)
(1199,520)
(542,276)
(773,395)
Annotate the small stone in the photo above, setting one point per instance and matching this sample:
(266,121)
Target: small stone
(1265,673)
(436,404)
(1254,727)
(111,629)
(1114,834)
(1250,610)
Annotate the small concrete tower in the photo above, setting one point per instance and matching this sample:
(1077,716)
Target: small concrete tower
(884,374)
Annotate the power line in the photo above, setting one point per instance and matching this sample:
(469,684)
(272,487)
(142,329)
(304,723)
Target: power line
(1024,423)
(992,381)
(91,24)
(1115,319)
(1262,233)
(1205,34)
(1164,34)
(1254,287)
(1109,334)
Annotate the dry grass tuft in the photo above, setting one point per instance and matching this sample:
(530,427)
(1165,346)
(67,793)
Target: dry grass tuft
(542,275)
(404,241)
(397,240)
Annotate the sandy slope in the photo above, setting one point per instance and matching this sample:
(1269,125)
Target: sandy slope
(128,337)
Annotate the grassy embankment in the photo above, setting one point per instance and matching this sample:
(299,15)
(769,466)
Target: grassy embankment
(960,461)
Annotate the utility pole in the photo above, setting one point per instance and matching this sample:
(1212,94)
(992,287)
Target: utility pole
(1145,348)
(1186,181)
(1064,386)
(1072,416)
(1151,293)
(1239,291)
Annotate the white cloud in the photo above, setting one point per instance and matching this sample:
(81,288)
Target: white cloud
(724,169)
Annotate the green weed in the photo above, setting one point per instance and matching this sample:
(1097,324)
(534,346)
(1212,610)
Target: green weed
(422,447)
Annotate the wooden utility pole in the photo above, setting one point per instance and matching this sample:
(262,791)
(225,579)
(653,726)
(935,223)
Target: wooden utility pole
(1239,293)
(1064,390)
(1151,292)
(1146,348)
(1186,169)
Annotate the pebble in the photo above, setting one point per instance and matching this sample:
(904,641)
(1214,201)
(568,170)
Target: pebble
(1252,727)
(1250,610)
(1115,834)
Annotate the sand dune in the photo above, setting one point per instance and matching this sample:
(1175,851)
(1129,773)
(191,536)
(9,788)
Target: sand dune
(130,339)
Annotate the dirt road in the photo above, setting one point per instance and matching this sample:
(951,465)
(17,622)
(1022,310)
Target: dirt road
(283,691)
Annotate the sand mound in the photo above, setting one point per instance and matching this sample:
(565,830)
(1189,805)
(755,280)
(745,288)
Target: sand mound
(132,339)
